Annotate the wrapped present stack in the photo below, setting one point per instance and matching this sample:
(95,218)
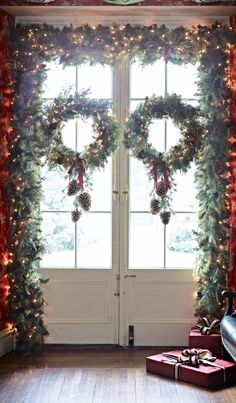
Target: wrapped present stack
(206,335)
(194,366)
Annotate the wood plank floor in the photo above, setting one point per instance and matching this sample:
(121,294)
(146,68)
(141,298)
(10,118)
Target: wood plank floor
(95,375)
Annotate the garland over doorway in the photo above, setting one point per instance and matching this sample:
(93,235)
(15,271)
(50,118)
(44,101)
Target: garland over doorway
(34,46)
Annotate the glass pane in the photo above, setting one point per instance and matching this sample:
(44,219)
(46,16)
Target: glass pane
(146,241)
(147,80)
(102,188)
(94,241)
(181,80)
(85,134)
(68,133)
(58,78)
(173,134)
(182,201)
(139,195)
(59,232)
(54,188)
(97,78)
(157,134)
(180,241)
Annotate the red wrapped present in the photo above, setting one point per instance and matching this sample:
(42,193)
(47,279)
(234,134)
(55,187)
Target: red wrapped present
(206,371)
(210,342)
(206,335)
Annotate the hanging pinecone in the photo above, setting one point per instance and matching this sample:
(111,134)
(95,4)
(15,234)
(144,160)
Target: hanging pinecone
(84,200)
(75,215)
(161,189)
(165,217)
(155,206)
(73,188)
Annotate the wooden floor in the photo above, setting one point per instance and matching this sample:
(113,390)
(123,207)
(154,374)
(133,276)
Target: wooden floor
(98,375)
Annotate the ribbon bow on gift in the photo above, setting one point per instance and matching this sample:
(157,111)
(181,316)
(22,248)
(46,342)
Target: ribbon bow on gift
(193,357)
(208,326)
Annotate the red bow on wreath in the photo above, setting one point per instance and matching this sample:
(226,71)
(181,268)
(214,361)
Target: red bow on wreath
(164,170)
(79,166)
(208,326)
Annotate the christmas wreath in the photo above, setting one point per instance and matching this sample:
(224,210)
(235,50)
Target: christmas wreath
(162,165)
(79,166)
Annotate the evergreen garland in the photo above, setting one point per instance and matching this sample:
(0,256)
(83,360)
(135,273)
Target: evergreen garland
(36,44)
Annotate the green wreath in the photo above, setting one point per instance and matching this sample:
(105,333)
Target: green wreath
(162,165)
(79,166)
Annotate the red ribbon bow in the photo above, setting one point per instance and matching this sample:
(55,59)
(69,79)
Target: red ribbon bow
(78,165)
(164,170)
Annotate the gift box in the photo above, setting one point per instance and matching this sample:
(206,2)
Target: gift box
(211,342)
(223,373)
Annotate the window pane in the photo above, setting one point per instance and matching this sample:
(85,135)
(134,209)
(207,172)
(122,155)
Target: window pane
(94,241)
(148,80)
(98,79)
(58,78)
(54,188)
(181,80)
(173,134)
(85,133)
(146,241)
(102,188)
(59,232)
(180,241)
(139,195)
(183,201)
(68,133)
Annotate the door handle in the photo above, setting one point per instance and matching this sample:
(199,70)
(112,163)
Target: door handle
(130,275)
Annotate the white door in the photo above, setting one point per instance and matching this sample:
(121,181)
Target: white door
(119,276)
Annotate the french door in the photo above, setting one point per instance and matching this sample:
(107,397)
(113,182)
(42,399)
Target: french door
(119,276)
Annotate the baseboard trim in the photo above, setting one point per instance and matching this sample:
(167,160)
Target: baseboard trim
(6,341)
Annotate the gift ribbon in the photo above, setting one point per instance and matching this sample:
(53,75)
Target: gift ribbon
(193,357)
(208,326)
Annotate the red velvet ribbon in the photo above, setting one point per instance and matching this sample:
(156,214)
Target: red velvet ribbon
(154,173)
(79,165)
(166,177)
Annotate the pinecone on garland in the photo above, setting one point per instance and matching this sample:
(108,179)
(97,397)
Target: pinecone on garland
(73,188)
(165,217)
(161,189)
(84,200)
(154,206)
(75,215)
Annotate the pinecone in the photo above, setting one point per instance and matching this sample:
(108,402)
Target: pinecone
(161,189)
(73,188)
(154,206)
(84,200)
(165,217)
(75,215)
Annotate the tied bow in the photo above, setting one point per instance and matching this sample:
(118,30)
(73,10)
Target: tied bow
(193,357)
(208,326)
(164,171)
(78,165)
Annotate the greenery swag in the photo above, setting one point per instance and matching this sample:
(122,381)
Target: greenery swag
(34,45)
(161,166)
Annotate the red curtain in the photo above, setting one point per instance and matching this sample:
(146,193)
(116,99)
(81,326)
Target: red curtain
(5,131)
(232,272)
